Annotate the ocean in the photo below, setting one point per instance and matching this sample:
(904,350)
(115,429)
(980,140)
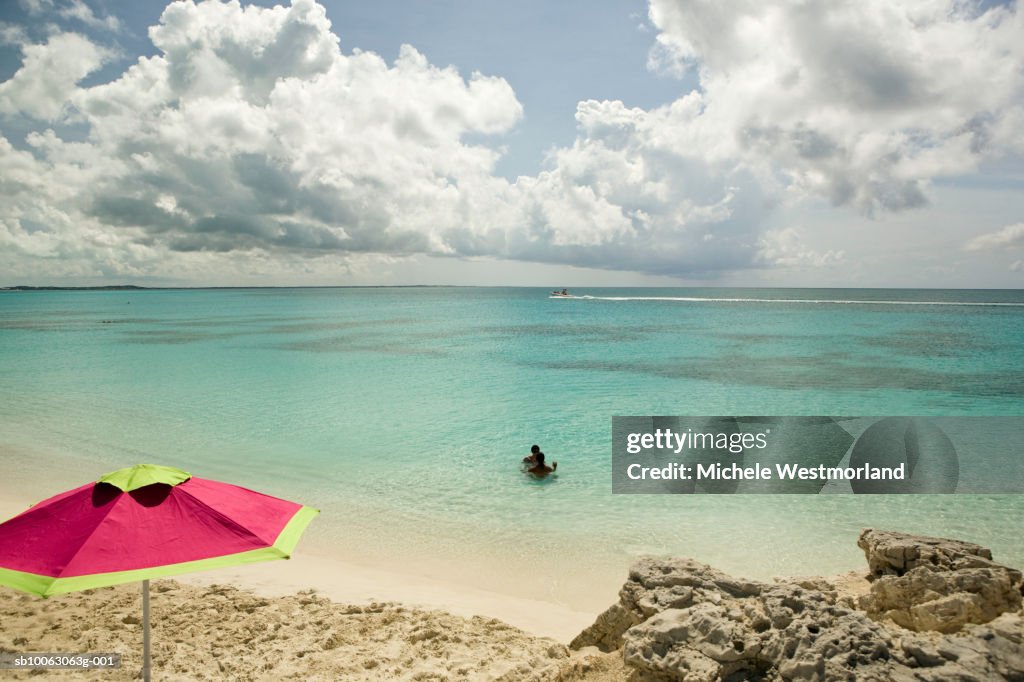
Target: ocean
(403,413)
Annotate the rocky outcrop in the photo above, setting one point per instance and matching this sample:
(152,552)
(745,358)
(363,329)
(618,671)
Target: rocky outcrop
(924,583)
(655,585)
(678,619)
(893,553)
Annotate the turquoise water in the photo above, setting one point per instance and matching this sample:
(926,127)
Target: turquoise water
(403,412)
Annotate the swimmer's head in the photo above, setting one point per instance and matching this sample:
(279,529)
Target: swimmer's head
(540,458)
(535,449)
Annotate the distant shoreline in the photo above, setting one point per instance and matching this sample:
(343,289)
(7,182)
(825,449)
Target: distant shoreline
(109,287)
(135,287)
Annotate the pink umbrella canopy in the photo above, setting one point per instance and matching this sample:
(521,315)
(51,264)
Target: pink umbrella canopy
(144,522)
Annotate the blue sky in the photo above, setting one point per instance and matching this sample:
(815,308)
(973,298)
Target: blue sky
(577,143)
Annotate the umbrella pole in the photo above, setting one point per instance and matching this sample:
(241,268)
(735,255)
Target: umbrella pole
(145,631)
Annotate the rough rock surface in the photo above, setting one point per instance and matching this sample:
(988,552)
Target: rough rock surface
(677,619)
(655,585)
(894,553)
(924,583)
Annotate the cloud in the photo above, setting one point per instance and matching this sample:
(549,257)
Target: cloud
(49,73)
(76,10)
(860,102)
(11,34)
(80,11)
(251,131)
(1009,236)
(36,6)
(786,248)
(630,194)
(251,139)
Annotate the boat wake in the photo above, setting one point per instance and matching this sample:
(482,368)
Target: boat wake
(794,301)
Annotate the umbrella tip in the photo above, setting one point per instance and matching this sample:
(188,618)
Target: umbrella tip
(138,476)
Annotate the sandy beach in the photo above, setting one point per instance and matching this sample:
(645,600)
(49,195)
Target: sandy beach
(214,632)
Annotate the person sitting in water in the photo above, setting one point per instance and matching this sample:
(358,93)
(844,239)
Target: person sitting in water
(540,469)
(532,458)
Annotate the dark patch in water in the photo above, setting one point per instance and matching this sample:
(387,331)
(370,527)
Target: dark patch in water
(47,325)
(357,343)
(174,337)
(581,333)
(811,373)
(208,322)
(752,337)
(320,326)
(930,343)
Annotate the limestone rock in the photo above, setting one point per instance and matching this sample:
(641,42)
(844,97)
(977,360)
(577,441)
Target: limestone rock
(894,553)
(994,651)
(678,619)
(927,583)
(655,585)
(783,632)
(606,632)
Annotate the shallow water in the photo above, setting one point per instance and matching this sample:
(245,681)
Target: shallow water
(403,412)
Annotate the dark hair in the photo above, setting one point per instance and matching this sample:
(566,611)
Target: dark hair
(535,449)
(540,459)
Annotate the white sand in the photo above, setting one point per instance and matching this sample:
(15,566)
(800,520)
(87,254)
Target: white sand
(353,584)
(220,632)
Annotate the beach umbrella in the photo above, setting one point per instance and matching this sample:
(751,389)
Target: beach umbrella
(139,523)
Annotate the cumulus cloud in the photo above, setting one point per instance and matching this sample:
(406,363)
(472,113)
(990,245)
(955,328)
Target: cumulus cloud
(786,248)
(48,76)
(251,131)
(1009,236)
(642,198)
(859,101)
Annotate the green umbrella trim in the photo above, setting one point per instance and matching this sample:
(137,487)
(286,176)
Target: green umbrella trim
(46,586)
(141,475)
